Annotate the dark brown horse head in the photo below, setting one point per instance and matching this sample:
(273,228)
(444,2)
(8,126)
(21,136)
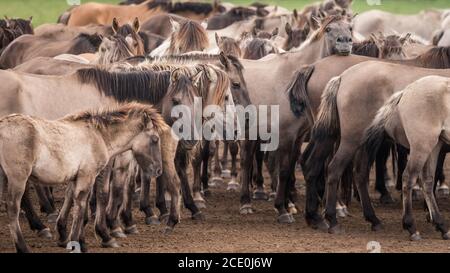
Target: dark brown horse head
(24,26)
(295,36)
(228,46)
(130,31)
(188,36)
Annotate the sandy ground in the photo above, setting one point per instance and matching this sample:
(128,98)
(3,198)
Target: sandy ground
(224,230)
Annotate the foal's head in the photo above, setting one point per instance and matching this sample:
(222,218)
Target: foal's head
(295,36)
(229,46)
(187,37)
(131,32)
(23,26)
(336,31)
(115,48)
(390,47)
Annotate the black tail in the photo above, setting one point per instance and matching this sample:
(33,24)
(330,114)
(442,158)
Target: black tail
(298,94)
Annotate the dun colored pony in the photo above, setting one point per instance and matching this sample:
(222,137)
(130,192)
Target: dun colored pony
(47,152)
(427,98)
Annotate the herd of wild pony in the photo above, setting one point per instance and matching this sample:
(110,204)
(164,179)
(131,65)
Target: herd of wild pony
(86,102)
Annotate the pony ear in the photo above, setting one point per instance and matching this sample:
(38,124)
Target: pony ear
(295,14)
(223,59)
(437,36)
(175,25)
(288,29)
(30,19)
(317,20)
(275,32)
(115,25)
(405,38)
(204,24)
(174,75)
(261,12)
(136,25)
(196,79)
(217,38)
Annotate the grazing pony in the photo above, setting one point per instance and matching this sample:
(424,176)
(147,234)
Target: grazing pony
(73,149)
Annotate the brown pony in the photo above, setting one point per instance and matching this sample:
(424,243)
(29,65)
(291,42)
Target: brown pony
(96,13)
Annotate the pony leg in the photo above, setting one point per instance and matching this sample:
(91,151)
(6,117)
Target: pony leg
(402,159)
(217,169)
(281,199)
(271,161)
(47,206)
(144,200)
(414,166)
(362,177)
(338,164)
(80,197)
(172,183)
(224,159)
(313,166)
(160,198)
(127,208)
(196,166)
(234,150)
(440,176)
(259,193)
(16,189)
(61,222)
(33,219)
(102,196)
(181,162)
(248,149)
(380,168)
(428,190)
(204,175)
(116,196)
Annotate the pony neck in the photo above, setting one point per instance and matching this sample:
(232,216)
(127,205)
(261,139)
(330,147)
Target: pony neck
(313,49)
(118,138)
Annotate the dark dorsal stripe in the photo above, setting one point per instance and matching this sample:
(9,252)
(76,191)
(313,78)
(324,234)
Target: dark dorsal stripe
(144,86)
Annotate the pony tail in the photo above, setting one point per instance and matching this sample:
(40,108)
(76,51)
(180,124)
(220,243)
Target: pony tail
(375,134)
(327,124)
(298,95)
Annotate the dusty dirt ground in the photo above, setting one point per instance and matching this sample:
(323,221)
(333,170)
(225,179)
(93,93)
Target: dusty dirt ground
(224,230)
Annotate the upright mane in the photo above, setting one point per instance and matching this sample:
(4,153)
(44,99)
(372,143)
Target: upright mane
(366,48)
(108,116)
(148,86)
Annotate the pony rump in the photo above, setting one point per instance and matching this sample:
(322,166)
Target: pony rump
(148,86)
(298,95)
(327,124)
(375,134)
(109,116)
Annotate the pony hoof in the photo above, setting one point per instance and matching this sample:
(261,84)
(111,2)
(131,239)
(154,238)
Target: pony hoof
(164,218)
(260,195)
(45,233)
(61,243)
(153,220)
(207,193)
(377,227)
(110,244)
(133,229)
(118,233)
(320,225)
(292,209)
(226,173)
(233,186)
(168,230)
(52,217)
(213,182)
(443,191)
(201,204)
(415,237)
(335,230)
(446,236)
(286,218)
(386,199)
(246,209)
(341,213)
(198,216)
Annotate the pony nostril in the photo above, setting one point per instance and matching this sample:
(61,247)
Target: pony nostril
(340,40)
(350,40)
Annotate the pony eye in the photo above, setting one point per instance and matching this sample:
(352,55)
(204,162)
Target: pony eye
(236,84)
(328,29)
(176,101)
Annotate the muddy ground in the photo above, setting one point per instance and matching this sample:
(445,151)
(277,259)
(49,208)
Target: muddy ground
(224,230)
